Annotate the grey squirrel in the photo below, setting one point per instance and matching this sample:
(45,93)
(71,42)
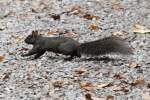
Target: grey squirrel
(69,46)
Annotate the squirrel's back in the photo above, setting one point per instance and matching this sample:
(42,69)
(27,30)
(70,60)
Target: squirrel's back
(55,40)
(58,44)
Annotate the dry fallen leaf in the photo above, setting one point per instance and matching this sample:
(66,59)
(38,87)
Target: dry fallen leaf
(140,29)
(2,58)
(99,86)
(91,17)
(134,65)
(93,27)
(58,84)
(139,81)
(80,71)
(90,86)
(110,97)
(86,86)
(77,10)
(121,87)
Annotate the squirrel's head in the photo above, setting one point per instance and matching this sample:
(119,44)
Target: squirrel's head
(31,39)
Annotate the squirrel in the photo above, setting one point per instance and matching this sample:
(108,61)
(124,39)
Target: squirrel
(69,46)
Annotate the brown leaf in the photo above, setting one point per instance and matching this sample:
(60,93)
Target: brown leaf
(77,10)
(139,81)
(93,27)
(110,97)
(80,71)
(90,86)
(99,86)
(140,29)
(86,86)
(2,58)
(91,17)
(134,65)
(123,88)
(58,84)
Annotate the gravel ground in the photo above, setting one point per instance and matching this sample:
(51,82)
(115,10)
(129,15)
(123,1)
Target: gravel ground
(52,78)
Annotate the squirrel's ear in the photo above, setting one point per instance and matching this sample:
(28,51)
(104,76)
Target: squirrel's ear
(34,33)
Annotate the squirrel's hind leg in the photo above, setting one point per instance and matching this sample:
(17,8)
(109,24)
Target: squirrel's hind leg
(74,54)
(39,54)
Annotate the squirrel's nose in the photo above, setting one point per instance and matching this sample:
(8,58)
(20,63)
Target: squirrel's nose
(26,40)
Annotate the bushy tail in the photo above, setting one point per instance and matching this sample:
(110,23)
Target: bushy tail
(105,46)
